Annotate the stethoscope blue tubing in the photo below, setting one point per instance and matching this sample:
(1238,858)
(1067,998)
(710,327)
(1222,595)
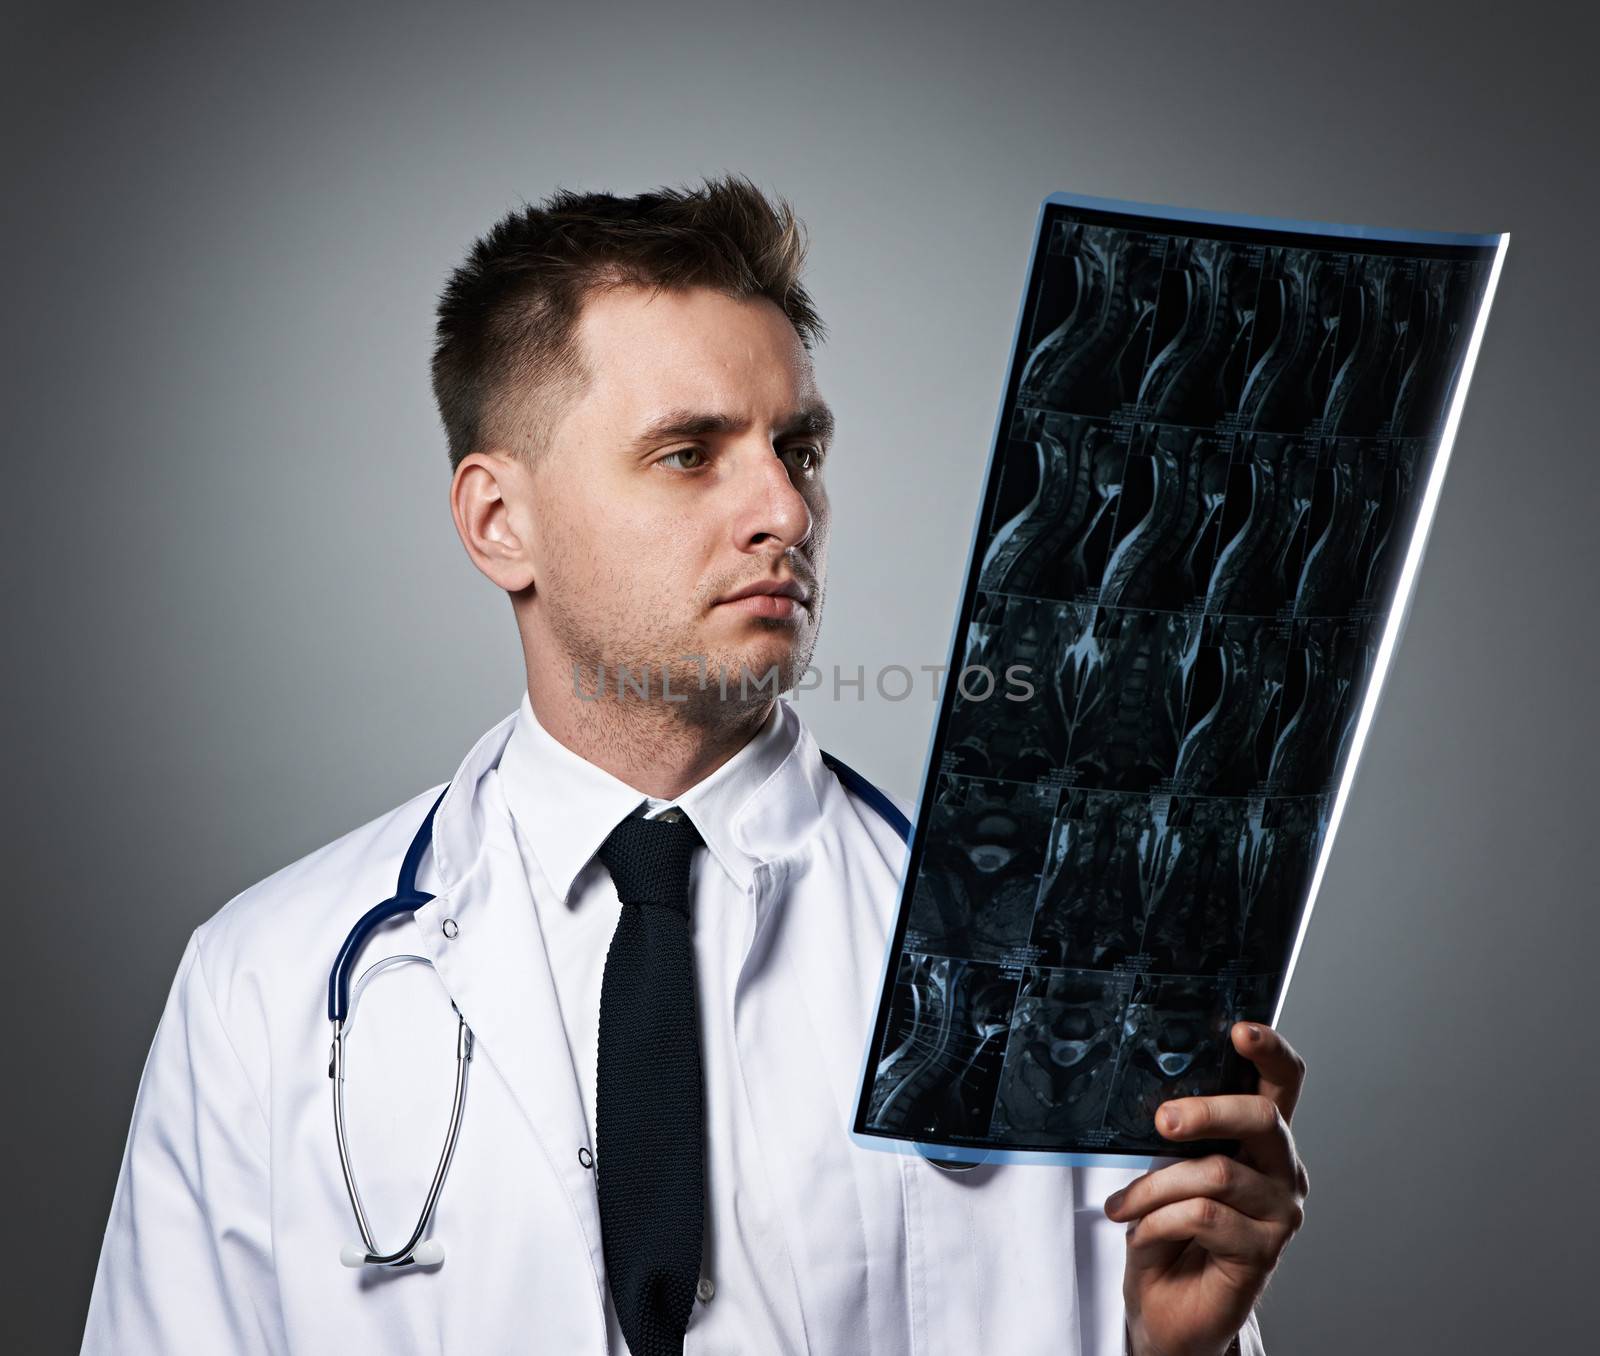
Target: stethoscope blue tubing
(407,898)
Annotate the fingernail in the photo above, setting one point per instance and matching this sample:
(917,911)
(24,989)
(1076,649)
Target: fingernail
(1174,1122)
(1252,1033)
(1114,1201)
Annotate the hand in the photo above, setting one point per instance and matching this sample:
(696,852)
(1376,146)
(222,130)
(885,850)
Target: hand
(1206,1234)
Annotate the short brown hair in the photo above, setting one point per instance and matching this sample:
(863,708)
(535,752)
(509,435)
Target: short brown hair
(506,358)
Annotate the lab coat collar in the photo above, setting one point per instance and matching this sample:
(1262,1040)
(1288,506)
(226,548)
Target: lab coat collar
(565,806)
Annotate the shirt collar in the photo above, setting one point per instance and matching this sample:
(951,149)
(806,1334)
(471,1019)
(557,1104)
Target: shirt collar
(565,806)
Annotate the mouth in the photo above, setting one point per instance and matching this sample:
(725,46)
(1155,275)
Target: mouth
(781,599)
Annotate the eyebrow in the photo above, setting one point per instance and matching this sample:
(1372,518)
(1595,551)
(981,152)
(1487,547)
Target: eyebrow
(813,421)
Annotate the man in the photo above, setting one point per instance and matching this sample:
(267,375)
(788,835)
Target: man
(658,911)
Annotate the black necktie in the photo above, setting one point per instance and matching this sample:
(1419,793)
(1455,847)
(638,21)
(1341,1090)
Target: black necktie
(649,1141)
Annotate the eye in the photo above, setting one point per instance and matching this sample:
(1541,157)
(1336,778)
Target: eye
(687,452)
(810,456)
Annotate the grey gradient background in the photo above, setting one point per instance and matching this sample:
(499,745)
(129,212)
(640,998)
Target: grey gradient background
(239,622)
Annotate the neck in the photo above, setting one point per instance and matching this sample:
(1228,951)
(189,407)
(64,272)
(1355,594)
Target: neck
(660,748)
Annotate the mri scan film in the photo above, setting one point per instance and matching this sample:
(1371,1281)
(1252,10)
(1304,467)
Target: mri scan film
(1209,490)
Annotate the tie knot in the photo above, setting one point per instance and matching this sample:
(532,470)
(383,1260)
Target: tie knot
(649,860)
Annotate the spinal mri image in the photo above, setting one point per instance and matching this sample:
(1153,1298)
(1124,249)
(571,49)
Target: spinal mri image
(1208,470)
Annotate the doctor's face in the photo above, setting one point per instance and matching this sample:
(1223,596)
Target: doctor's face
(687,474)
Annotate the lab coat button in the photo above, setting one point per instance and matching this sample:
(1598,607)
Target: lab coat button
(450,929)
(704,1290)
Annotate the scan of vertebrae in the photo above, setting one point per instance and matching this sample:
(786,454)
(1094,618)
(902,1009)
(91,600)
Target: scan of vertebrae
(1212,456)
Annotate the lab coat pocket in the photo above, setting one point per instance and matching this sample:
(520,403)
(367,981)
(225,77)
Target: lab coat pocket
(999,1257)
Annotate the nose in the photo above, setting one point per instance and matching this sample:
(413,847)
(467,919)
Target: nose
(774,515)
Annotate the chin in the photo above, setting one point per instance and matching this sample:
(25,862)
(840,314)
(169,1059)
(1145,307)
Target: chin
(787,652)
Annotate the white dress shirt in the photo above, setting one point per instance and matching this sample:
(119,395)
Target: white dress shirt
(230,1207)
(564,807)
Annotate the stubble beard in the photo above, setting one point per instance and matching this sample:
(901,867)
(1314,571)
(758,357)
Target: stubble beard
(653,674)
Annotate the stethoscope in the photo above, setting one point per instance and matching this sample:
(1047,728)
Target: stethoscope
(341,1005)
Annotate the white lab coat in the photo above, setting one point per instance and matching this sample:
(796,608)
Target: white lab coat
(230,1209)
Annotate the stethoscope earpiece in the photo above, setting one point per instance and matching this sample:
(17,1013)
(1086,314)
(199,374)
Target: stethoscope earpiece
(427,1254)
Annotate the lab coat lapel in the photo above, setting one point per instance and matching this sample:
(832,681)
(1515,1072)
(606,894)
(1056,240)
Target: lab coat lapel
(806,996)
(498,975)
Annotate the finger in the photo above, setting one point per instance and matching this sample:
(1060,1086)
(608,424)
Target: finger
(1219,1229)
(1255,1121)
(1224,1179)
(1282,1071)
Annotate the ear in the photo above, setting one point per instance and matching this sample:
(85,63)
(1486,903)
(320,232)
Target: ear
(490,500)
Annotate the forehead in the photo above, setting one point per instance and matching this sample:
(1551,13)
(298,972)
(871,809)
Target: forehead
(644,350)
